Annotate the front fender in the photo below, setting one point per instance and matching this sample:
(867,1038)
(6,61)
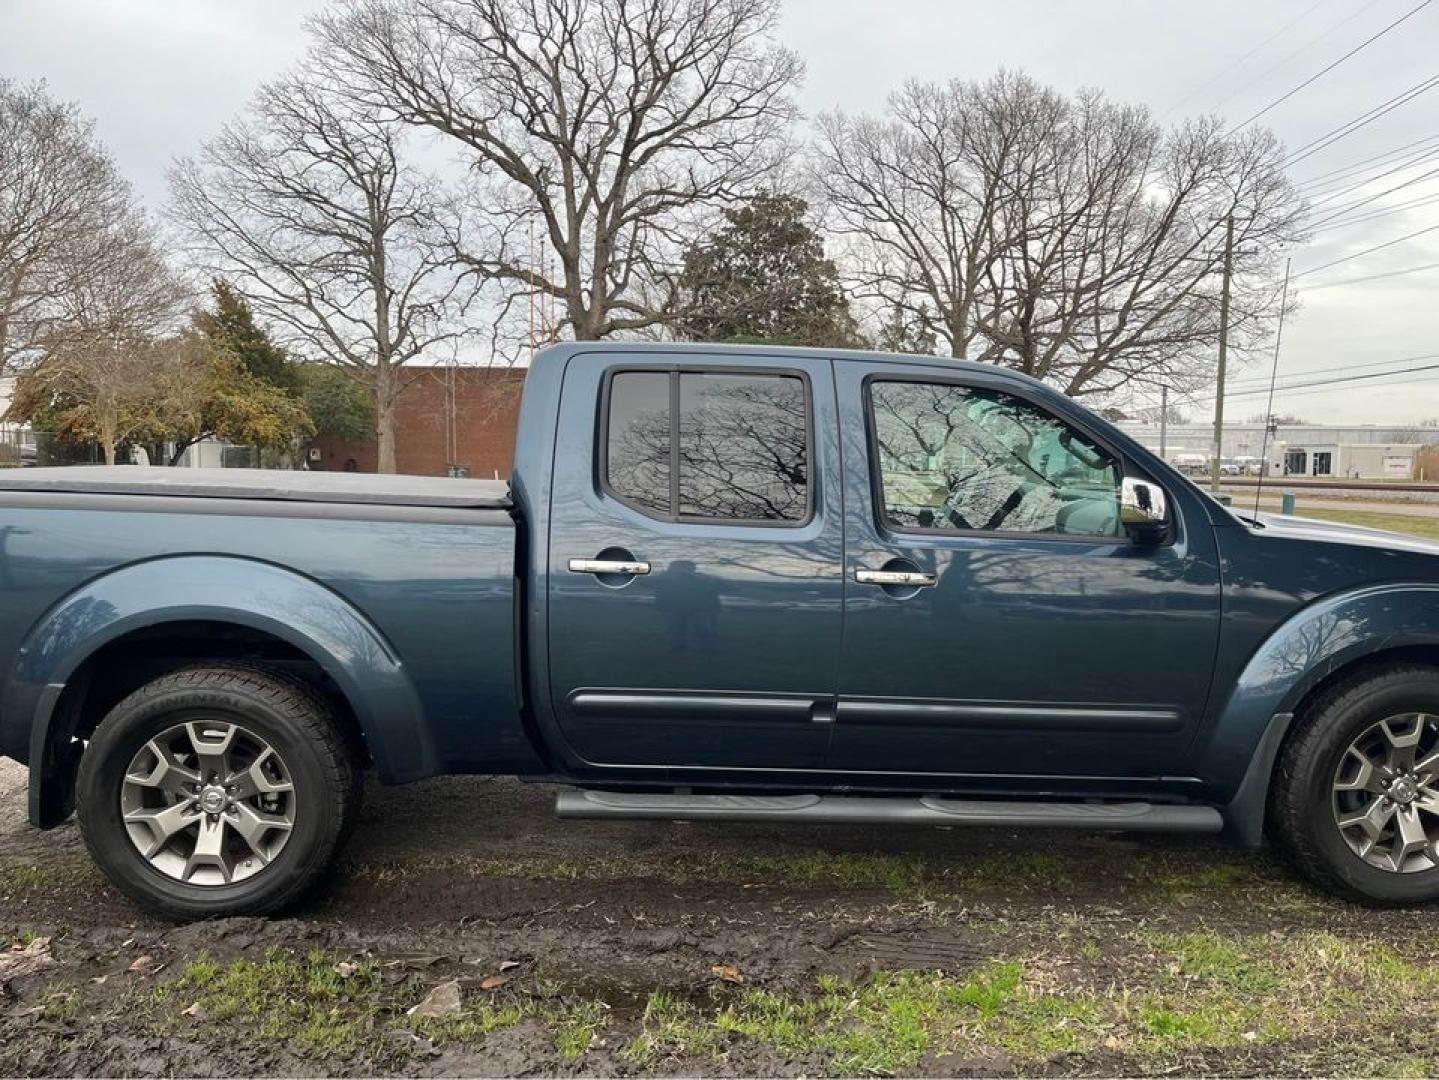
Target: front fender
(1316,641)
(241,592)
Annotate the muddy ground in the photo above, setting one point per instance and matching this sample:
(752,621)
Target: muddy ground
(642,949)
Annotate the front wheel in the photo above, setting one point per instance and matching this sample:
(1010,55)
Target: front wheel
(1355,800)
(217,790)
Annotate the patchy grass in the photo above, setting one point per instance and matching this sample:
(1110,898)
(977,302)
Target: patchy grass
(18,878)
(1188,993)
(61,1004)
(282,998)
(671,1029)
(1427,527)
(307,1003)
(906,875)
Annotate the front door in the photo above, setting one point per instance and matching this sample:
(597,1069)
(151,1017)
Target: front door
(1034,639)
(695,585)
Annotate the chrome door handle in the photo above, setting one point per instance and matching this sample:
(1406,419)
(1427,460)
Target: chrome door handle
(608,566)
(912,578)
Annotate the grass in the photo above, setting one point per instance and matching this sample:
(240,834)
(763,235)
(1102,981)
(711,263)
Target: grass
(934,875)
(1426,527)
(1178,994)
(282,998)
(307,1004)
(1087,994)
(20,878)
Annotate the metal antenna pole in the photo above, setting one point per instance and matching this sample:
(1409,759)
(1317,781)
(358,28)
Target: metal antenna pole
(1164,422)
(1223,352)
(1269,424)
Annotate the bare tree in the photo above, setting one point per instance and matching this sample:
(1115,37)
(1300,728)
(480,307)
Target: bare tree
(1073,239)
(603,126)
(60,200)
(309,211)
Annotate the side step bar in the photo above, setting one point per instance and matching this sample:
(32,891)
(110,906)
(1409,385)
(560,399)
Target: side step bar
(853,809)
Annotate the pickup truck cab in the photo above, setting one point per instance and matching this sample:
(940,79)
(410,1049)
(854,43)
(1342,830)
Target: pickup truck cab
(724,582)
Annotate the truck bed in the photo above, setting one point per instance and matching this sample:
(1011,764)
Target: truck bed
(427,564)
(266,484)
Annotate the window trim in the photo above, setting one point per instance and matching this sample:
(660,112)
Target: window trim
(675,370)
(876,478)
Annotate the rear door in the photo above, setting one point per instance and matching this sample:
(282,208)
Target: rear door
(696,586)
(1033,639)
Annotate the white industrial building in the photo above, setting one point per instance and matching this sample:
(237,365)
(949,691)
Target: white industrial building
(1361,452)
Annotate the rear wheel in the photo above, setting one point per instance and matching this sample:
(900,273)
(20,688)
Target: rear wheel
(217,791)
(1355,800)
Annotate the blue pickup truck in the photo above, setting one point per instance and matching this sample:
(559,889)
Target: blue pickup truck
(722,583)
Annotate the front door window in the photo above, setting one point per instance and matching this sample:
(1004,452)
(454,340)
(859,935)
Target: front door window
(971,459)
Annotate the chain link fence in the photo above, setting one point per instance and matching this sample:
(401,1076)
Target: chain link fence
(20,447)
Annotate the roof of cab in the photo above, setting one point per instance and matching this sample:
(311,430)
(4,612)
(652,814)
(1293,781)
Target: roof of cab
(564,350)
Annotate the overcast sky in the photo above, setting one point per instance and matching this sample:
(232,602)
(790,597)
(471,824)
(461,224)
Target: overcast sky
(159,77)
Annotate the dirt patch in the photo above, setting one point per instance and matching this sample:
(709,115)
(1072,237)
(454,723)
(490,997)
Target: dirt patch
(613,948)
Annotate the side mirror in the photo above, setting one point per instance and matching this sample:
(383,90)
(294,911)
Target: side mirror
(1144,510)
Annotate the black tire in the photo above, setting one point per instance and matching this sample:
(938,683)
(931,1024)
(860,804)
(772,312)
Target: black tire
(1301,819)
(284,711)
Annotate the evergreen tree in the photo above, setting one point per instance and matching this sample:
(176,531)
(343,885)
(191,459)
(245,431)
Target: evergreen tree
(230,325)
(763,276)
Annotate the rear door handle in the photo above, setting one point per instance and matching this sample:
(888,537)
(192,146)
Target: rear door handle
(912,578)
(608,566)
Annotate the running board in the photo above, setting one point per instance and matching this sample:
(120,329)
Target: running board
(851,809)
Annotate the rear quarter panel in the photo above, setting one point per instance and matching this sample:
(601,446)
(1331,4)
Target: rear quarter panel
(438,586)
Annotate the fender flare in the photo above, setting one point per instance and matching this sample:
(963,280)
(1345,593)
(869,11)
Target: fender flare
(1329,634)
(242,592)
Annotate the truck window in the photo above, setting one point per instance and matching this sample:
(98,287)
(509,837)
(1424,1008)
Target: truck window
(711,446)
(638,455)
(969,459)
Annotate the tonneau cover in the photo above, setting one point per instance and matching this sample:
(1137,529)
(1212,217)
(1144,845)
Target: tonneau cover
(271,484)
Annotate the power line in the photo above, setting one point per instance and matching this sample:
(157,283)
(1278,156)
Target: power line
(1345,21)
(1318,385)
(1423,200)
(1373,277)
(1325,70)
(1236,63)
(1366,251)
(1343,131)
(1374,198)
(1349,186)
(1316,180)
(1349,368)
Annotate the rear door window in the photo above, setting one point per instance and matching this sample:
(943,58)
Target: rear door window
(695,445)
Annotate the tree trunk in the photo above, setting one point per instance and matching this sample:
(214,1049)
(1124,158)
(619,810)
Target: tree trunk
(108,436)
(385,433)
(385,395)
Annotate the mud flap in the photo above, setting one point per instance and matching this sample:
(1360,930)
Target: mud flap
(1244,814)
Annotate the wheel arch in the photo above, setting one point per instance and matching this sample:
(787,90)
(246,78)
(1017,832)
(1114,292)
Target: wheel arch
(1331,640)
(257,604)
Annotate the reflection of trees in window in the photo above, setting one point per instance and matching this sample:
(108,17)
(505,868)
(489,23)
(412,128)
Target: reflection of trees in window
(742,447)
(955,457)
(639,438)
(743,451)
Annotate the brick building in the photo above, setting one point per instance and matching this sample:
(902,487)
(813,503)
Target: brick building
(448,416)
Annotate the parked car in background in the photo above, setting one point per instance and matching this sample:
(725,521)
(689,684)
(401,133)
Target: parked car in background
(1190,464)
(730,583)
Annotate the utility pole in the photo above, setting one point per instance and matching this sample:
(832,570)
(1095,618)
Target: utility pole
(1223,352)
(1164,422)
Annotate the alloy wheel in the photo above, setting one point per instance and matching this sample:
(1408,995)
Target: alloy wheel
(208,802)
(1386,794)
